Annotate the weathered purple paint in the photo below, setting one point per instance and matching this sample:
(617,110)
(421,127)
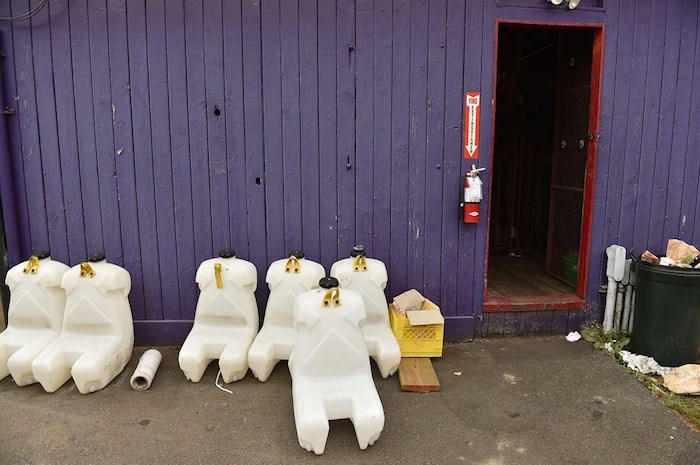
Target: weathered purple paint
(400,124)
(124,149)
(180,150)
(327,126)
(7,180)
(165,131)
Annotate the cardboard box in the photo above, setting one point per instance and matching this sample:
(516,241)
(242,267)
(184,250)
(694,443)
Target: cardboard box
(417,324)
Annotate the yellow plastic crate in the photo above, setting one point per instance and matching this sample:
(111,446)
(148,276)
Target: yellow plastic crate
(417,341)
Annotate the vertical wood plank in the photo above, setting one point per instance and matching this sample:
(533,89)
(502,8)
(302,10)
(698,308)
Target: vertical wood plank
(253,133)
(479,28)
(650,125)
(103,112)
(272,120)
(197,123)
(216,122)
(166,253)
(609,220)
(630,180)
(124,147)
(684,140)
(27,116)
(143,159)
(418,100)
(693,170)
(67,133)
(12,234)
(484,49)
(364,124)
(309,121)
(48,136)
(435,149)
(451,166)
(347,164)
(401,24)
(663,186)
(327,128)
(668,207)
(621,62)
(381,165)
(23,241)
(235,127)
(84,107)
(184,243)
(291,130)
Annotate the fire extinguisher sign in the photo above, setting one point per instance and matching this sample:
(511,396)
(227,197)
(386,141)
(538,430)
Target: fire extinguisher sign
(471,124)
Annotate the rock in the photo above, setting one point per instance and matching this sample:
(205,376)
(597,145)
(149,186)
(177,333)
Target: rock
(684,380)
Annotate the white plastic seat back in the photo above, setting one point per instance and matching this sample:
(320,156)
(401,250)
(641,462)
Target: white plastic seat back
(97,338)
(35,316)
(286,278)
(330,368)
(368,276)
(226,318)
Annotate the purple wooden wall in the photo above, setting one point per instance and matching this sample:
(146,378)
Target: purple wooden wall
(161,131)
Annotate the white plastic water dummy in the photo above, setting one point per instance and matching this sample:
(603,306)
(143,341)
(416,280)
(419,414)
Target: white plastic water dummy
(286,278)
(330,368)
(35,315)
(226,318)
(98,332)
(368,276)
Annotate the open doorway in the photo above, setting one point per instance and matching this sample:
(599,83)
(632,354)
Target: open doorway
(543,149)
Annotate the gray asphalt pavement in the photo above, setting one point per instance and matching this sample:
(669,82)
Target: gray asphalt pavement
(520,401)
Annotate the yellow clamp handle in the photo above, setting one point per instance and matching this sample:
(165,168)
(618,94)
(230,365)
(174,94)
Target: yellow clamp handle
(360,263)
(332,297)
(86,270)
(292,265)
(217,274)
(32,265)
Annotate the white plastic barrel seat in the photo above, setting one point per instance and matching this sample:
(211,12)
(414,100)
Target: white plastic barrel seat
(368,276)
(330,368)
(286,278)
(35,315)
(226,318)
(98,332)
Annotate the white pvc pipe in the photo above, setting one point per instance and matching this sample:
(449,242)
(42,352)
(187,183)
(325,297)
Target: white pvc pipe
(610,305)
(618,306)
(146,370)
(631,323)
(627,308)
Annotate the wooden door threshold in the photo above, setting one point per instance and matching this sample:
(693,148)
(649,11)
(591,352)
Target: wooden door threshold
(533,303)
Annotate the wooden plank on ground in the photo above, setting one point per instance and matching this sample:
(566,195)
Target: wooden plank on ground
(416,374)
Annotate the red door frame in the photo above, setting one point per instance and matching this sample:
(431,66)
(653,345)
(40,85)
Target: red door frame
(564,301)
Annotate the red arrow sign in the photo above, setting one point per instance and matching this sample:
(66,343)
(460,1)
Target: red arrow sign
(471,124)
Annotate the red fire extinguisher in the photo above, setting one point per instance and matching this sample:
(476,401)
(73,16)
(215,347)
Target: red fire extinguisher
(472,195)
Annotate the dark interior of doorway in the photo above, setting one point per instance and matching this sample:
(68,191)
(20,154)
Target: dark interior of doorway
(537,186)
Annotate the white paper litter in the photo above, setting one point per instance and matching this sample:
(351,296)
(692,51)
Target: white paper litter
(573,336)
(643,364)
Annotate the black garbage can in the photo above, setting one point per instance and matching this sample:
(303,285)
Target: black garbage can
(666,314)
